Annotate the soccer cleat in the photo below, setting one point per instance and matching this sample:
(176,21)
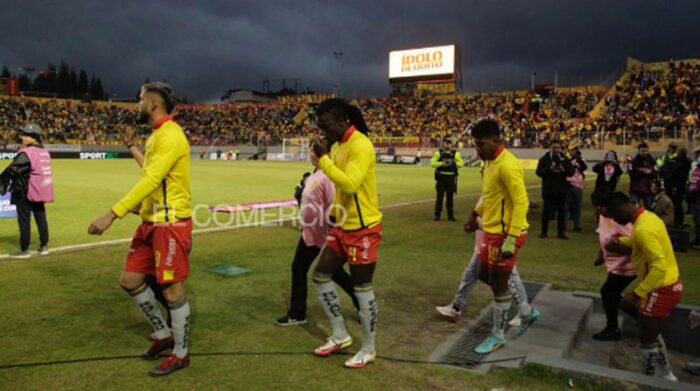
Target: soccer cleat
(21,254)
(528,320)
(332,345)
(158,346)
(360,359)
(289,321)
(515,322)
(171,364)
(449,312)
(491,344)
(43,250)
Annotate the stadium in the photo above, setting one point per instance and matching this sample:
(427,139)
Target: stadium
(67,324)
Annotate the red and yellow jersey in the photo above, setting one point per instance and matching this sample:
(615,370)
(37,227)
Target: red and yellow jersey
(652,253)
(505,203)
(164,189)
(351,167)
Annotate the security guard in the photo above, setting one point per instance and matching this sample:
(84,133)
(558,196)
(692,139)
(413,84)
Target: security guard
(446,161)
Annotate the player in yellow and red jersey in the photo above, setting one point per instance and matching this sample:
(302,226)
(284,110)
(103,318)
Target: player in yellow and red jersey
(162,242)
(350,165)
(503,213)
(660,288)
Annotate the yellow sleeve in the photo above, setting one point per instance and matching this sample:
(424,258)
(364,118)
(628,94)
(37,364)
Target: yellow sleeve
(350,180)
(435,162)
(625,241)
(458,160)
(655,261)
(165,155)
(513,177)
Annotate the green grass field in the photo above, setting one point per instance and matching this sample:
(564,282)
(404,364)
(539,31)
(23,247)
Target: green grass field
(68,305)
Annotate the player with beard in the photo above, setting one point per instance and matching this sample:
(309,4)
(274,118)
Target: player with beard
(161,244)
(503,214)
(350,165)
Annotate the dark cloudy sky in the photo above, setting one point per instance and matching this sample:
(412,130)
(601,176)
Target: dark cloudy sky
(204,48)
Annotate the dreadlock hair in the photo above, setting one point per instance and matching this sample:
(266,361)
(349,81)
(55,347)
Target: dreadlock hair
(342,110)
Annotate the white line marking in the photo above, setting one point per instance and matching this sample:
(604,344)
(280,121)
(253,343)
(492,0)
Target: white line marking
(105,243)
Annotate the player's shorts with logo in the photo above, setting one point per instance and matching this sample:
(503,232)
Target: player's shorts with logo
(357,247)
(161,249)
(490,252)
(660,302)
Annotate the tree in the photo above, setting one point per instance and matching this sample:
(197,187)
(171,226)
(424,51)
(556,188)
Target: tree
(73,84)
(96,90)
(5,72)
(82,84)
(63,81)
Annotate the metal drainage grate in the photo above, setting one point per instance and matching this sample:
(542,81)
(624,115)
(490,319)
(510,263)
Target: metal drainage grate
(462,353)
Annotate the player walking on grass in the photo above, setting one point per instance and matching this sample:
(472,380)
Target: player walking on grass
(355,237)
(660,288)
(503,213)
(161,244)
(453,311)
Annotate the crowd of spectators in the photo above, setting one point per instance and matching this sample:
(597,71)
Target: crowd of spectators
(650,101)
(647,100)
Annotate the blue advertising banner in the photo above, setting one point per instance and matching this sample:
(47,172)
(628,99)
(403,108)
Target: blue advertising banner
(7,209)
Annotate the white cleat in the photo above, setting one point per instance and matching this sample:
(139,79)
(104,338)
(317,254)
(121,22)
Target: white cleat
(449,312)
(361,359)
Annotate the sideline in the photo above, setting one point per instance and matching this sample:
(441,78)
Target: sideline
(274,223)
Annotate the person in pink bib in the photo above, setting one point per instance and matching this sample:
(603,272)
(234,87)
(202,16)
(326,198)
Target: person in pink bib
(29,178)
(621,271)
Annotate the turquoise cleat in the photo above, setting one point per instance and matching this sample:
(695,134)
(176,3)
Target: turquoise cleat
(528,320)
(491,344)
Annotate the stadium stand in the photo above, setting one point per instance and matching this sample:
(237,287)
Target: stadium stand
(648,102)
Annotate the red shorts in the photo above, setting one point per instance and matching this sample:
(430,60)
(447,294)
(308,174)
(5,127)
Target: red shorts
(161,250)
(660,302)
(357,247)
(490,253)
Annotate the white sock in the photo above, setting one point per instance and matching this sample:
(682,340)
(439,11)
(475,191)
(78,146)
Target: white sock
(650,356)
(330,302)
(368,315)
(146,300)
(500,316)
(180,312)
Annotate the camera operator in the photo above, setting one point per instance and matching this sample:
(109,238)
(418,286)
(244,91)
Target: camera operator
(554,168)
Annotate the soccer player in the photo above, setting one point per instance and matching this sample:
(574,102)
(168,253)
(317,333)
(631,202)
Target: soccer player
(161,244)
(503,213)
(660,288)
(355,237)
(453,311)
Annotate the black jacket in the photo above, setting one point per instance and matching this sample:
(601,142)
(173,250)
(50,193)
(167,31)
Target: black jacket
(600,180)
(675,173)
(16,178)
(554,178)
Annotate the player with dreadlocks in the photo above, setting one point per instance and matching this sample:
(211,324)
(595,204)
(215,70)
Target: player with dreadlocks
(347,158)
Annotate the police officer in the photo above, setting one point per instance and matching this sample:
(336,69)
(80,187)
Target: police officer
(446,161)
(30,180)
